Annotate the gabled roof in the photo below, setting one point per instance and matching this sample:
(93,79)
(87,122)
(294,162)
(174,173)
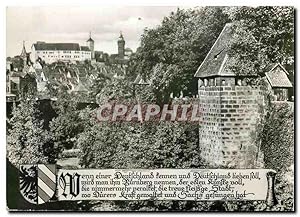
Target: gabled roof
(29,75)
(140,80)
(80,88)
(57,46)
(39,74)
(215,61)
(277,76)
(72,80)
(37,65)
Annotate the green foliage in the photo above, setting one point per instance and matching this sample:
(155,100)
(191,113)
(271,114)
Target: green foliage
(284,192)
(181,42)
(17,63)
(263,36)
(27,141)
(52,89)
(65,127)
(134,145)
(278,137)
(28,87)
(114,89)
(130,145)
(100,82)
(160,86)
(168,58)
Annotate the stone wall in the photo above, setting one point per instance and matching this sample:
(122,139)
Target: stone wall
(229,125)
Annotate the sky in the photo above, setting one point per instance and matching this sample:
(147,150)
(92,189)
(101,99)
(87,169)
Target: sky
(73,24)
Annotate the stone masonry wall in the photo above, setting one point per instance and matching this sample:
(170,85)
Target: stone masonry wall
(228,126)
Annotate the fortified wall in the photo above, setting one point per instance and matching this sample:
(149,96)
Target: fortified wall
(231,111)
(230,117)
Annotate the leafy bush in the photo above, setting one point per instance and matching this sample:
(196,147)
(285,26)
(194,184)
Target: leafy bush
(132,145)
(70,153)
(65,127)
(277,137)
(135,145)
(27,141)
(263,36)
(181,41)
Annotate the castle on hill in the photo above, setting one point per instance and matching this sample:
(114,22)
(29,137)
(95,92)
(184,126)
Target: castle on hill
(74,52)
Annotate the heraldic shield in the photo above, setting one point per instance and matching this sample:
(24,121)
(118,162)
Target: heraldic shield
(37,182)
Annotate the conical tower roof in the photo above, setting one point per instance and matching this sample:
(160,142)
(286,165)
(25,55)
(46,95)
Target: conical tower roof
(90,38)
(121,38)
(23,53)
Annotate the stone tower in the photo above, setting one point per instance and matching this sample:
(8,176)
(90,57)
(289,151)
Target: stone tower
(121,46)
(90,44)
(230,111)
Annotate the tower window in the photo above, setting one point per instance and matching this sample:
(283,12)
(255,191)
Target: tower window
(238,82)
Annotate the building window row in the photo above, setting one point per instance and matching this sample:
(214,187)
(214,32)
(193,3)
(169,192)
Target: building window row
(81,55)
(52,52)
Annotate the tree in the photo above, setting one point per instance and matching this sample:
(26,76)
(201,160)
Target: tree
(27,141)
(278,137)
(114,89)
(133,145)
(181,41)
(65,127)
(99,83)
(263,36)
(17,63)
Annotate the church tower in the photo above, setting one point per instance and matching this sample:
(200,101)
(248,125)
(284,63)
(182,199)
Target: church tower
(24,54)
(90,44)
(121,46)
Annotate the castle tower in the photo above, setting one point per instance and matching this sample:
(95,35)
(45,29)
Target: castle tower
(121,46)
(231,111)
(90,44)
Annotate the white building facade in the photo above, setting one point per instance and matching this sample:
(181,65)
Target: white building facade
(53,52)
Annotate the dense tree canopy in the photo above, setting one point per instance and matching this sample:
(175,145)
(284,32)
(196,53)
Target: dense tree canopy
(27,141)
(167,59)
(65,127)
(179,45)
(132,145)
(263,36)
